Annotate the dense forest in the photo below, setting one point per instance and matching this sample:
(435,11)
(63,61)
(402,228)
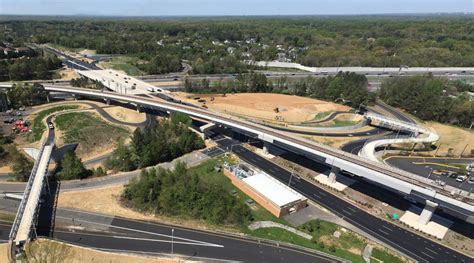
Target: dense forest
(219,45)
(430,98)
(27,68)
(26,95)
(168,140)
(345,88)
(184,193)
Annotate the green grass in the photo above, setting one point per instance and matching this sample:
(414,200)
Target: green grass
(38,128)
(126,64)
(278,69)
(321,115)
(279,234)
(341,123)
(385,256)
(89,131)
(4,216)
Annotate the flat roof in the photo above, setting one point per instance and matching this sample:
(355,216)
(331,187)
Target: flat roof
(273,189)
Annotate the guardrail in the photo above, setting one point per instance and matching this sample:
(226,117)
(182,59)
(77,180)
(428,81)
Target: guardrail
(21,208)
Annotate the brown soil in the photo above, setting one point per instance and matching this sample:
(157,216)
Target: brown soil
(453,137)
(68,74)
(125,114)
(263,105)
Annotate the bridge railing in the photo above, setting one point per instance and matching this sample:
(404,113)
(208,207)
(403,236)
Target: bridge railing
(21,208)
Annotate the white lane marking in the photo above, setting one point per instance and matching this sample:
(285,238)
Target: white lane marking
(168,241)
(352,209)
(427,255)
(344,211)
(380,230)
(136,230)
(317,196)
(434,252)
(322,193)
(387,228)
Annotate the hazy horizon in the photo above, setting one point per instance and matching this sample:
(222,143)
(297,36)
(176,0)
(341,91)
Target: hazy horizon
(177,8)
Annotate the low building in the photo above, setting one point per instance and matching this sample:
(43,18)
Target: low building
(267,191)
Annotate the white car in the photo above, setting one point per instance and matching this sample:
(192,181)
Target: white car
(51,126)
(461,178)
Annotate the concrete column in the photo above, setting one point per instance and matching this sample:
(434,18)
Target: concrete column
(139,109)
(265,147)
(47,98)
(427,212)
(107,101)
(333,174)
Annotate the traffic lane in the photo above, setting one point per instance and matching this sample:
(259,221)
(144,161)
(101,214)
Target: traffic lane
(390,234)
(424,170)
(234,248)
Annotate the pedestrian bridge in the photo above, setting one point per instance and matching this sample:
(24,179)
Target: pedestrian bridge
(23,226)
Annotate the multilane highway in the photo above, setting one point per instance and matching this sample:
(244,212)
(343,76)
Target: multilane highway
(365,167)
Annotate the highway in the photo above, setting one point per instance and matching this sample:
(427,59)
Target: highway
(413,245)
(118,234)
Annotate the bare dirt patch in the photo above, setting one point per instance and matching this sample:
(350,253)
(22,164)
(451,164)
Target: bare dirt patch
(264,105)
(452,138)
(68,74)
(125,114)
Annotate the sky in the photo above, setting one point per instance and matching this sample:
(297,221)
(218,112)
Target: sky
(230,7)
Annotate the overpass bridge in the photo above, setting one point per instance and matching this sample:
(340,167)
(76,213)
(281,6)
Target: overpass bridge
(23,226)
(460,202)
(418,134)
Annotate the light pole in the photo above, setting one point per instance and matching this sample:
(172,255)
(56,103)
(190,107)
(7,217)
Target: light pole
(172,240)
(291,176)
(431,171)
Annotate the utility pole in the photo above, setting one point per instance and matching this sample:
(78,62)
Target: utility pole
(460,156)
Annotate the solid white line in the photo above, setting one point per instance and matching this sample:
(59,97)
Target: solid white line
(139,231)
(387,228)
(346,212)
(427,255)
(168,241)
(322,193)
(352,209)
(434,252)
(383,231)
(317,196)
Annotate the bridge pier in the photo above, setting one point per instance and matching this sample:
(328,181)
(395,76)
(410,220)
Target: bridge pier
(333,174)
(205,128)
(427,212)
(266,145)
(107,101)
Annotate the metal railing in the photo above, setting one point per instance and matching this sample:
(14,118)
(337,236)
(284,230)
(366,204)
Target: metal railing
(21,208)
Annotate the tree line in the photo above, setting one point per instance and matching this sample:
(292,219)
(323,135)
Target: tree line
(161,44)
(345,88)
(164,142)
(26,95)
(182,193)
(430,98)
(28,68)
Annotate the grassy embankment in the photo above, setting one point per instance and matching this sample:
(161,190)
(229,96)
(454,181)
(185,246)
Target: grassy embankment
(37,126)
(89,131)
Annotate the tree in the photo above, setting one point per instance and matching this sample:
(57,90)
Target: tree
(21,167)
(71,167)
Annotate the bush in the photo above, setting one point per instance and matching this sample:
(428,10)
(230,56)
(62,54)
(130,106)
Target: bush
(332,248)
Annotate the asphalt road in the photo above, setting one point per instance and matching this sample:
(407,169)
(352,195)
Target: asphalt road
(423,167)
(413,245)
(125,235)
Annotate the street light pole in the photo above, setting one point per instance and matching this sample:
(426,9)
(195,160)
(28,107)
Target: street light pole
(431,171)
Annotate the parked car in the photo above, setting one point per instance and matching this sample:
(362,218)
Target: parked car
(461,178)
(471,180)
(453,175)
